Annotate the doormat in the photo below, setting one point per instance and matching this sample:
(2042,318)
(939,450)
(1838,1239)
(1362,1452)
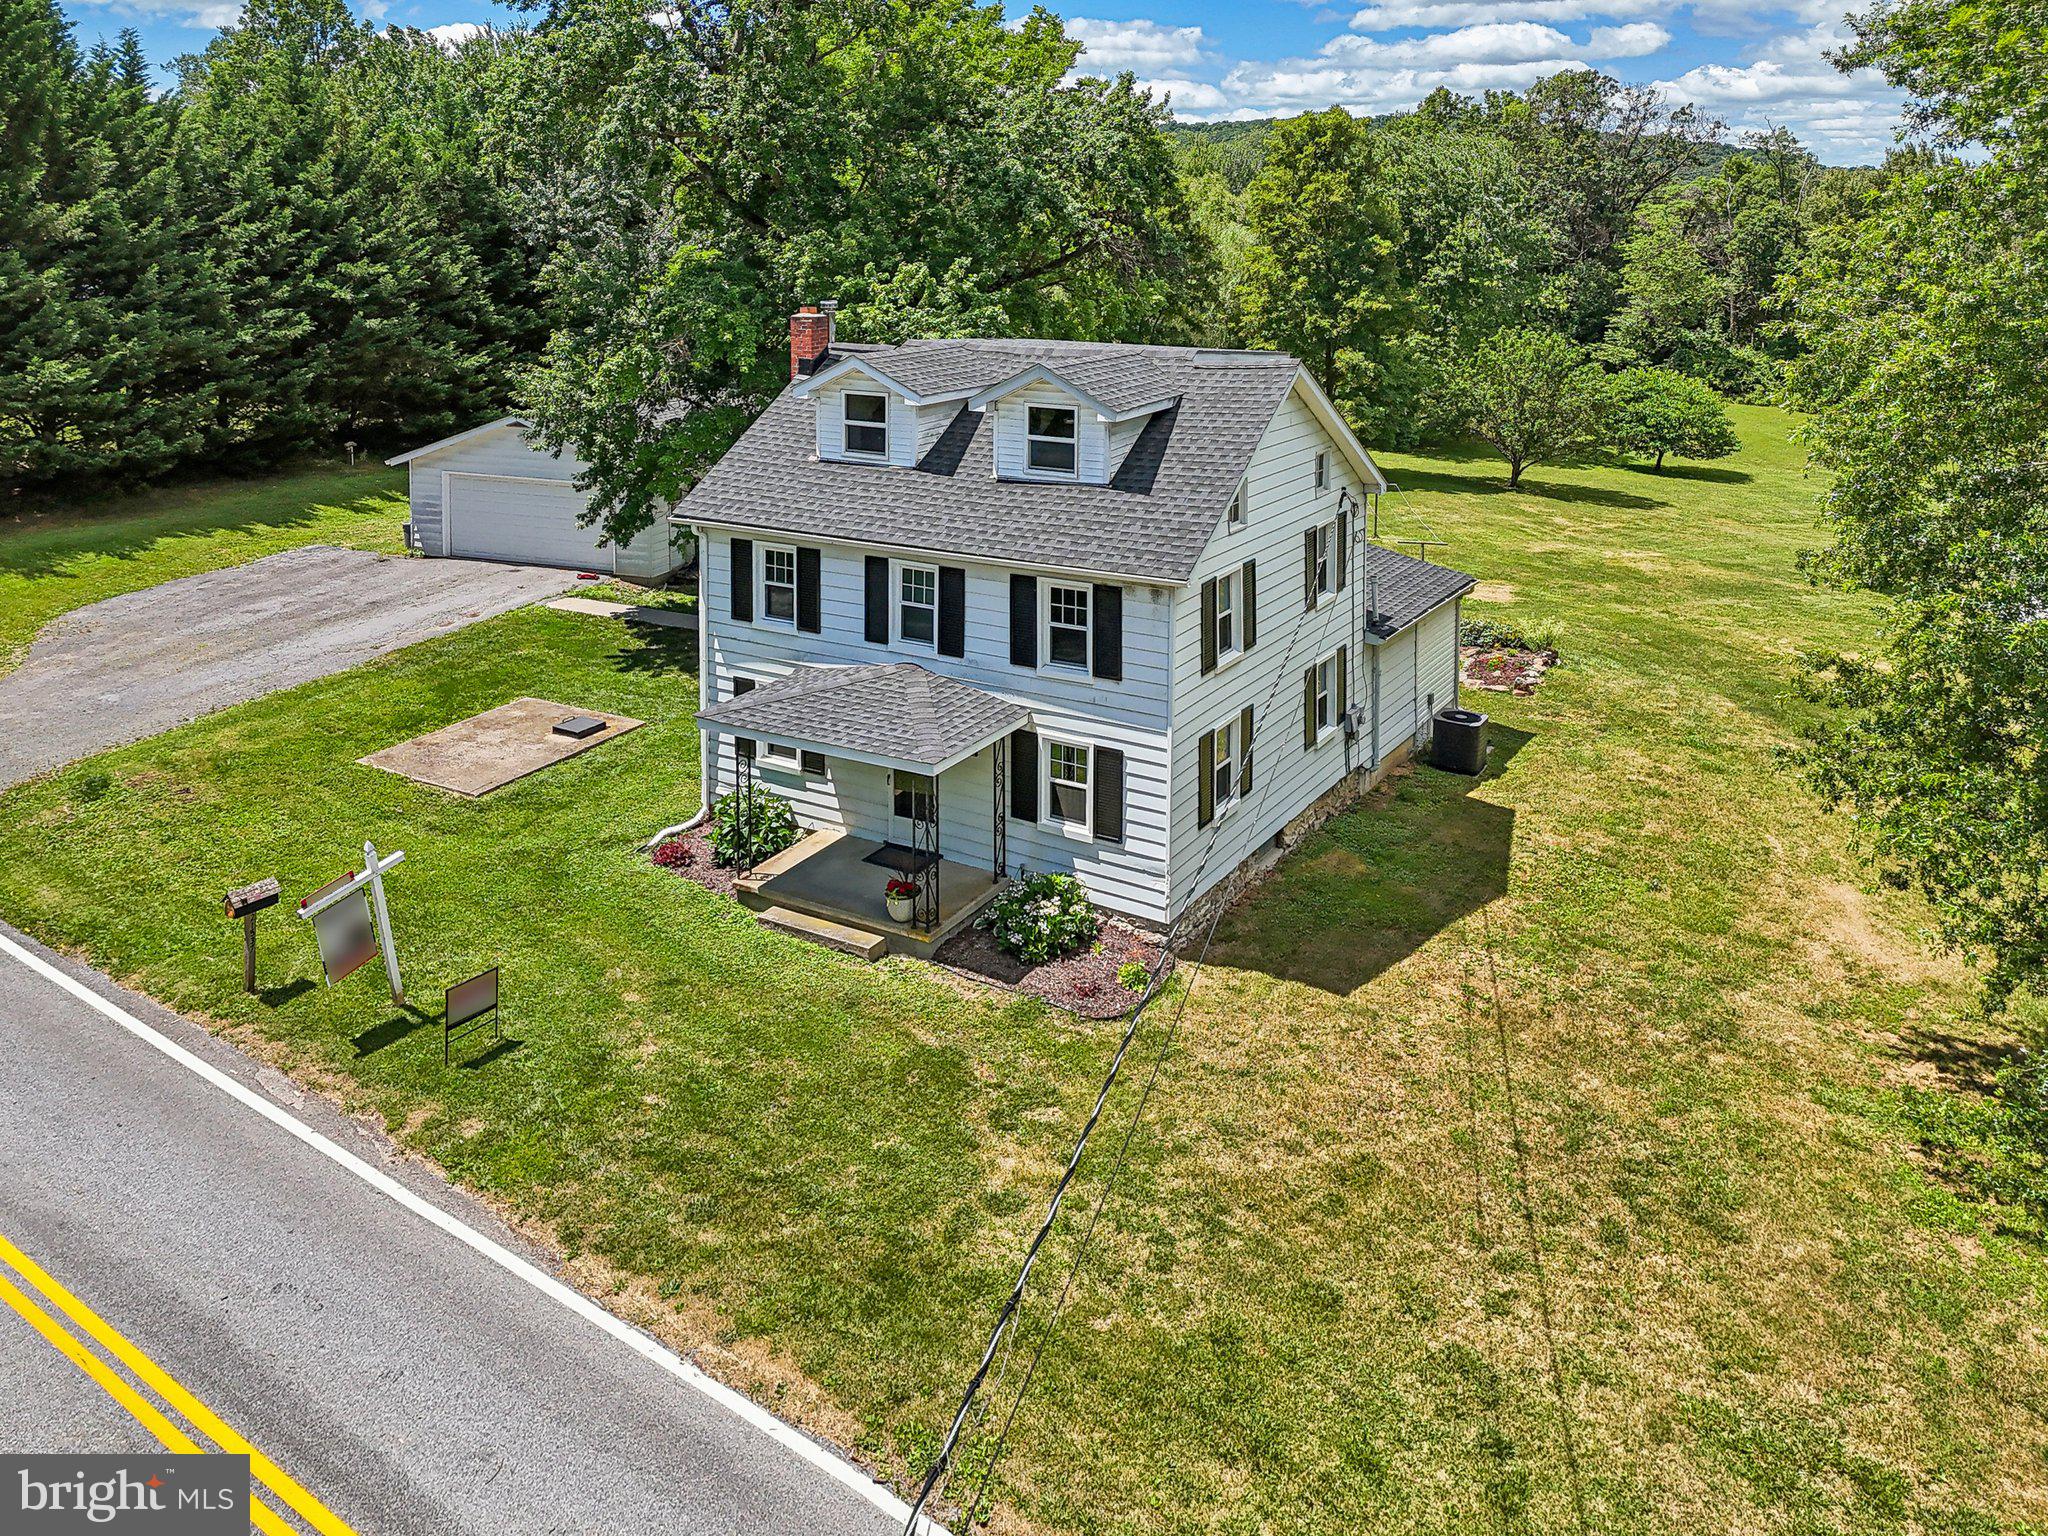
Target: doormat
(905,861)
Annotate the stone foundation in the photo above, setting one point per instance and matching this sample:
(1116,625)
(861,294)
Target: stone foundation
(1233,887)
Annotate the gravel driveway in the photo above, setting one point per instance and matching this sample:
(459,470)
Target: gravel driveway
(137,664)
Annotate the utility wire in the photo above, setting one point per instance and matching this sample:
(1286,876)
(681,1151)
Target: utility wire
(1012,1304)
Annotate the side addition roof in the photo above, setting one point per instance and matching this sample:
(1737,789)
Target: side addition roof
(897,715)
(1401,589)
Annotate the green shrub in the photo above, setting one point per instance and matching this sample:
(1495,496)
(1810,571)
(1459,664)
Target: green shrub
(1507,634)
(768,825)
(1042,917)
(1133,976)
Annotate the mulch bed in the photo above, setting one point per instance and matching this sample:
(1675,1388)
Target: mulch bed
(1083,984)
(694,848)
(1503,669)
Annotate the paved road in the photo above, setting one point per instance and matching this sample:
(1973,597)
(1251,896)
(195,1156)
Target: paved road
(119,670)
(407,1381)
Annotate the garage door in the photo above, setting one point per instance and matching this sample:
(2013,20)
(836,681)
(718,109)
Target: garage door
(494,517)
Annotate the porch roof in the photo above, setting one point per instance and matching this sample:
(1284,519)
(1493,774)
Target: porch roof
(897,715)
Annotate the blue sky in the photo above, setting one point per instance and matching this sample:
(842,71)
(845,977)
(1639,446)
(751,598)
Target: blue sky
(1750,63)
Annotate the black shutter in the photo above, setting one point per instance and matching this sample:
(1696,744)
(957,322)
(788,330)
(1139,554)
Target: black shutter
(1109,795)
(1250,588)
(1244,737)
(952,611)
(814,764)
(1308,569)
(1024,775)
(1106,640)
(743,580)
(743,746)
(1209,625)
(1205,780)
(877,623)
(1024,622)
(808,617)
(1308,706)
(1343,679)
(1343,546)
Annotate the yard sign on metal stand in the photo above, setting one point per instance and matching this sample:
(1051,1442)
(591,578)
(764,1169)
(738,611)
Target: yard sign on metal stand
(346,940)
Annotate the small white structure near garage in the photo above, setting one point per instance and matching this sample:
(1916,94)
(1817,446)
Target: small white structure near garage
(490,494)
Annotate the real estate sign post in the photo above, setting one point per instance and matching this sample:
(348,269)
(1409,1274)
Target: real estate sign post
(352,923)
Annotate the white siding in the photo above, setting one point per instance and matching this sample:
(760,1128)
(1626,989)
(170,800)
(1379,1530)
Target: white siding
(1121,435)
(1129,715)
(1012,413)
(1286,778)
(506,452)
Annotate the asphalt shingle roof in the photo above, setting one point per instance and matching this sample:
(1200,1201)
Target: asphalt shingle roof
(898,711)
(1151,521)
(1404,588)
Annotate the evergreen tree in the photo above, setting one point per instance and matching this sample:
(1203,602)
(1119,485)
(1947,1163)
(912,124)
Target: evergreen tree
(38,367)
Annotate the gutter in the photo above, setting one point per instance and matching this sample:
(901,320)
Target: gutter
(703,758)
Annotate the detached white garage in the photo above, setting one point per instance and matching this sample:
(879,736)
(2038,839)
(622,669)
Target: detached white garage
(489,494)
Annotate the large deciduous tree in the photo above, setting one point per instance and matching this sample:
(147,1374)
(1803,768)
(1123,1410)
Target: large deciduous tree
(922,163)
(1651,412)
(1925,324)
(1322,277)
(1532,396)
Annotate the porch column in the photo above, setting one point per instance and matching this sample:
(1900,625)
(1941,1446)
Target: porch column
(924,842)
(999,781)
(743,786)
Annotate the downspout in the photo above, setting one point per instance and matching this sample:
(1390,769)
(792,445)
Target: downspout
(703,736)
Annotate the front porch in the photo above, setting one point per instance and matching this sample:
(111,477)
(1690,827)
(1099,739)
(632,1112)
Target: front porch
(834,876)
(914,732)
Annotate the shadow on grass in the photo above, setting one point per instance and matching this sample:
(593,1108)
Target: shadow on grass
(277,997)
(498,1049)
(653,650)
(36,544)
(408,1020)
(1706,473)
(1495,483)
(1378,882)
(1969,1066)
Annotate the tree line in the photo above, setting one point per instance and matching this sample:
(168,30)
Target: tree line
(328,232)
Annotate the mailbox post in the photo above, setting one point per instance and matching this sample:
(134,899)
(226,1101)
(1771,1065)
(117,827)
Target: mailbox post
(245,903)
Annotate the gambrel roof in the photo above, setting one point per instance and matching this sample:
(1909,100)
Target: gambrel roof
(1149,523)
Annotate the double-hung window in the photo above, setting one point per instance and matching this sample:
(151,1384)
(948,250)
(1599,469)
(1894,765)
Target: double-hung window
(778,584)
(1049,439)
(1229,628)
(1066,625)
(1067,803)
(1227,768)
(1326,695)
(917,604)
(867,425)
(1326,560)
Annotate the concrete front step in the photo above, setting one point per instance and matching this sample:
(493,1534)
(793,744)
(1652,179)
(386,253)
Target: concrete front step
(858,942)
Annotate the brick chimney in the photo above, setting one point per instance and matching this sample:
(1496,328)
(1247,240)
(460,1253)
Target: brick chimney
(810,338)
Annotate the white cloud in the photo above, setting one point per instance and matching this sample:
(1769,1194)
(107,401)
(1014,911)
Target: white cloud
(1144,46)
(375,10)
(1301,85)
(1632,41)
(1514,42)
(1390,14)
(454,34)
(1190,96)
(1789,83)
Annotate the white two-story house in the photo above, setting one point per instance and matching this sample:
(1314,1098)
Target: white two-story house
(976,607)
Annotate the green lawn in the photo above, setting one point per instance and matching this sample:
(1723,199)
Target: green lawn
(1525,1161)
(52,562)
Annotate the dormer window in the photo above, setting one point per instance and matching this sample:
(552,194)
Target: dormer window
(867,425)
(1049,440)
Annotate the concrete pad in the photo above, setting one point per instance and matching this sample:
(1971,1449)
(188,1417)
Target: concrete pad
(632,613)
(488,751)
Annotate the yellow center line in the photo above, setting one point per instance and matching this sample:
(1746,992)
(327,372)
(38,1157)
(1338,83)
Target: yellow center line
(275,1478)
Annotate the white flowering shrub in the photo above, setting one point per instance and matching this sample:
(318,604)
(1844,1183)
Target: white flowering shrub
(1042,917)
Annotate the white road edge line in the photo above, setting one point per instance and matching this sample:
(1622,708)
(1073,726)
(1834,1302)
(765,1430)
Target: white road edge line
(836,1467)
